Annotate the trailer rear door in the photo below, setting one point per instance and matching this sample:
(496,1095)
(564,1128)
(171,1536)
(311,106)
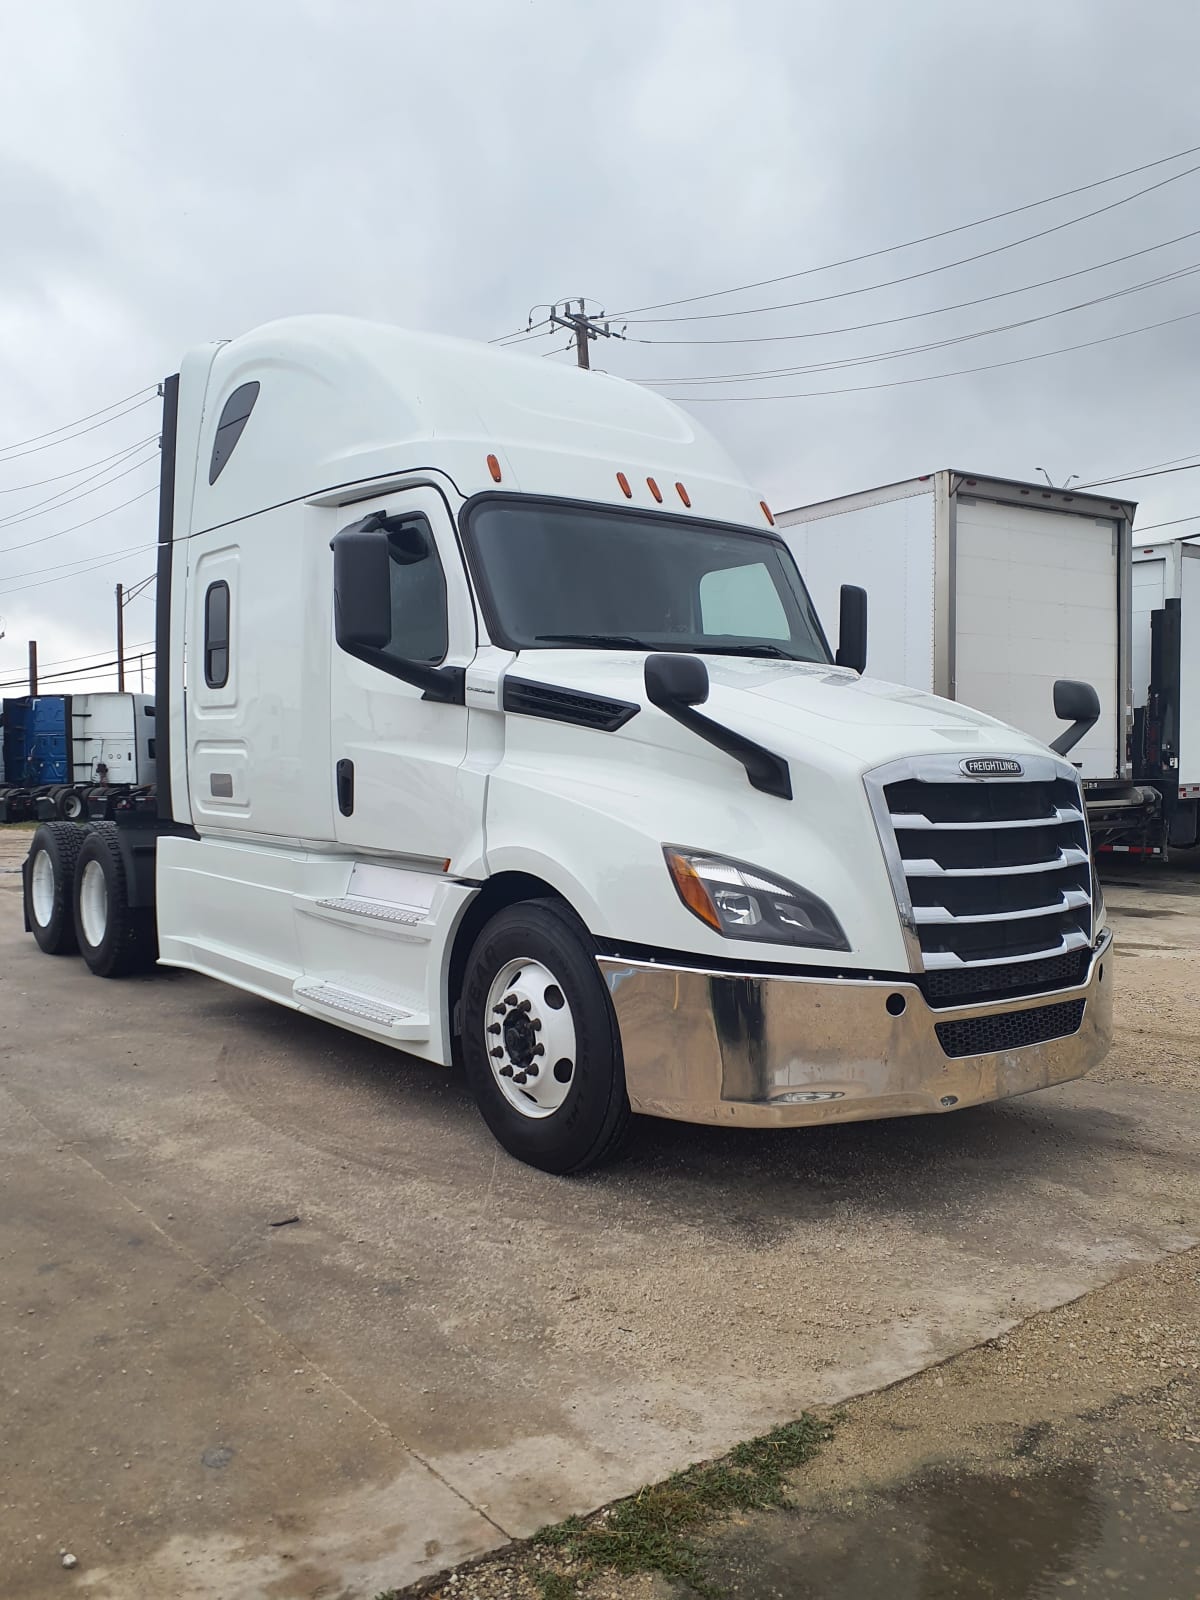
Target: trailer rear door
(1038,598)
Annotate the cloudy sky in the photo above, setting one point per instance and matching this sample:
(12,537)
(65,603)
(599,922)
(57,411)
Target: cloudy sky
(171,174)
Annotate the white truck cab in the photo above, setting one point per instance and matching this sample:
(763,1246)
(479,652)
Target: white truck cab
(494,720)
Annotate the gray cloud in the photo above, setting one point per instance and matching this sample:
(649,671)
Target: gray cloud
(171,175)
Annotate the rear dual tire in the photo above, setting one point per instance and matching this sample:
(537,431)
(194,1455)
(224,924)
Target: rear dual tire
(77,899)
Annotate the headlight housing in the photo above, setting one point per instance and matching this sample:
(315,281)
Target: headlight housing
(739,901)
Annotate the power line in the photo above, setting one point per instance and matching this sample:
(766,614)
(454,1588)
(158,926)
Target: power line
(926,272)
(1173,523)
(105,669)
(914,316)
(149,390)
(47,537)
(60,566)
(1134,477)
(15,455)
(760,376)
(126,450)
(40,507)
(932,377)
(82,661)
(944,233)
(83,572)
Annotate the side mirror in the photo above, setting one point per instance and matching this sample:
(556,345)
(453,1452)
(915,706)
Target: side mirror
(676,680)
(852,629)
(362,590)
(1078,704)
(363,556)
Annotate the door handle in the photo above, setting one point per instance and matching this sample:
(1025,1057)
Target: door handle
(345,787)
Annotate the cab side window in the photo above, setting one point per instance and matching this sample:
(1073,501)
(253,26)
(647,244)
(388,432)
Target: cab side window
(420,630)
(216,635)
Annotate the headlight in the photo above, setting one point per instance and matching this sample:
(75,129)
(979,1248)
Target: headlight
(742,902)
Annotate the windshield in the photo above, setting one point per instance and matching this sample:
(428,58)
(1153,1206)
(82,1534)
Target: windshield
(554,575)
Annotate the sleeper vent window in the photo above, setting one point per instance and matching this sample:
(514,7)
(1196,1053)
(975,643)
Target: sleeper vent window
(234,416)
(216,635)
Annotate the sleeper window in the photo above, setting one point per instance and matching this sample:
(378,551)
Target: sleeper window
(216,635)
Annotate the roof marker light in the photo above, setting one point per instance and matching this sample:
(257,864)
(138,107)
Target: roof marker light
(494,468)
(654,490)
(766,511)
(625,489)
(683,494)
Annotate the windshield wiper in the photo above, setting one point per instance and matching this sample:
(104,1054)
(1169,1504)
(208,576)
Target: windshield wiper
(606,641)
(746,650)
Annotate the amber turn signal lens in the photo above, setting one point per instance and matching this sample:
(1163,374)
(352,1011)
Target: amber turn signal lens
(691,889)
(494,469)
(654,490)
(683,494)
(766,511)
(625,489)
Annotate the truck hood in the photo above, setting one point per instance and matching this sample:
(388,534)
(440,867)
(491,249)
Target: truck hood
(797,709)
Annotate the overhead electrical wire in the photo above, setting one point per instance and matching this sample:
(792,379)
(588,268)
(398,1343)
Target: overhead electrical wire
(15,455)
(1136,477)
(150,388)
(107,669)
(105,561)
(759,375)
(926,272)
(933,377)
(56,502)
(117,455)
(944,233)
(47,537)
(914,316)
(1173,523)
(60,566)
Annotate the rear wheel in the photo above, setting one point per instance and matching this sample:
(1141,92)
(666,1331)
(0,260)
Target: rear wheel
(50,884)
(540,1042)
(114,937)
(70,805)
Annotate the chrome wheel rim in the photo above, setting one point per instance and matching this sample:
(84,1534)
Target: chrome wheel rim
(93,904)
(41,888)
(529,1037)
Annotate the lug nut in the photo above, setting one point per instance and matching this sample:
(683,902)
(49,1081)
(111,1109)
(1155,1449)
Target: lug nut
(532,1069)
(518,1077)
(510,999)
(537,1024)
(523,1005)
(506,1072)
(498,1052)
(495,1028)
(539,1049)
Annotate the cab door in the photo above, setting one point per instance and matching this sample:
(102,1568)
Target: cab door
(396,756)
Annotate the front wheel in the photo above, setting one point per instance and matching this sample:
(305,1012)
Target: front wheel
(540,1042)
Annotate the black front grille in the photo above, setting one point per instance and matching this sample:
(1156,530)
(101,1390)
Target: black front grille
(962,986)
(995,869)
(567,705)
(981,1036)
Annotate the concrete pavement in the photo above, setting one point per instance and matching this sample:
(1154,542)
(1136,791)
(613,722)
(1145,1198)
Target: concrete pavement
(448,1349)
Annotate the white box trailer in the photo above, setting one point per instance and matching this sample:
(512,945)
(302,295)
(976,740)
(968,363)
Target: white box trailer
(986,591)
(1166,681)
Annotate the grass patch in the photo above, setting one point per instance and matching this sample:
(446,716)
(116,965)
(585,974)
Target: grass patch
(650,1531)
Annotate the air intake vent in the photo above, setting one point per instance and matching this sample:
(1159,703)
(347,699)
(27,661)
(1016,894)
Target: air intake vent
(989,871)
(567,705)
(983,1036)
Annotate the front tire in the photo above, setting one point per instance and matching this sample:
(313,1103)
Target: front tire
(540,1043)
(114,937)
(50,887)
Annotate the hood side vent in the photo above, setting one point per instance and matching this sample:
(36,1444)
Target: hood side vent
(567,705)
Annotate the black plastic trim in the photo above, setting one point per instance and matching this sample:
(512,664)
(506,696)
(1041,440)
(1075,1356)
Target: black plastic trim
(765,770)
(489,496)
(162,601)
(211,645)
(527,698)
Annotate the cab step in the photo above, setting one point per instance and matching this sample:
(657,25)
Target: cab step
(374,1012)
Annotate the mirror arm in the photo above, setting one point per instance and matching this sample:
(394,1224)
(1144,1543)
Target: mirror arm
(446,684)
(1070,738)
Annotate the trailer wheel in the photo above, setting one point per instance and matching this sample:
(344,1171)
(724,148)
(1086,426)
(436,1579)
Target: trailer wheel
(69,805)
(49,875)
(540,1043)
(114,937)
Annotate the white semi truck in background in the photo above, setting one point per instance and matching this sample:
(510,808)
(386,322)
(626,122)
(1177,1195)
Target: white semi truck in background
(987,590)
(1166,682)
(495,722)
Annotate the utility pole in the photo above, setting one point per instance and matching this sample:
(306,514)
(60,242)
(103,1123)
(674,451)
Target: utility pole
(33,666)
(582,326)
(120,638)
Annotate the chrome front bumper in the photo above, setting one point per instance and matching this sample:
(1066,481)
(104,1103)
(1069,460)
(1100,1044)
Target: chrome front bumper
(773,1052)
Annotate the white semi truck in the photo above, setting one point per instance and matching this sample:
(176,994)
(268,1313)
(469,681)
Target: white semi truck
(495,723)
(1166,682)
(987,591)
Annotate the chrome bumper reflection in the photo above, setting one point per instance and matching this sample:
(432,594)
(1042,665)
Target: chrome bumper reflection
(779,1052)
